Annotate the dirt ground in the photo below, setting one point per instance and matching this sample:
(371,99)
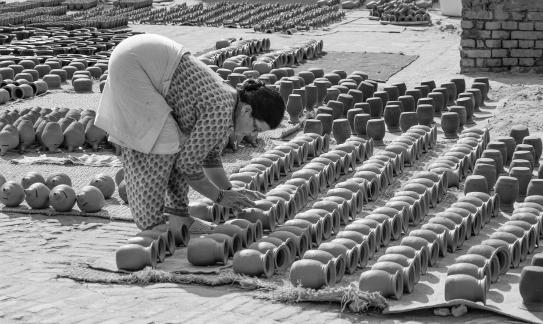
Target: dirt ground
(35,249)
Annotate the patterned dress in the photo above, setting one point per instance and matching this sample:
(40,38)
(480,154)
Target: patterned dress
(202,104)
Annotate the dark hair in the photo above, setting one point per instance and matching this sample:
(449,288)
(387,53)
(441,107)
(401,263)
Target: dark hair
(267,104)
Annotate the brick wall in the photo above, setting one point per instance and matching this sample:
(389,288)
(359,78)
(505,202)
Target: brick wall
(502,35)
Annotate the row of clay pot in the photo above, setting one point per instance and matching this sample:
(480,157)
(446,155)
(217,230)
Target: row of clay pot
(56,191)
(358,242)
(314,225)
(505,248)
(262,173)
(288,56)
(399,269)
(50,129)
(225,54)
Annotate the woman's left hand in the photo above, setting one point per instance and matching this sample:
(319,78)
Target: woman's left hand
(251,194)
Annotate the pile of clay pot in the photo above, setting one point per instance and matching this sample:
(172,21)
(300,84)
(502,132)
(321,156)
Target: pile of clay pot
(398,11)
(56,191)
(263,17)
(288,232)
(49,130)
(473,273)
(370,111)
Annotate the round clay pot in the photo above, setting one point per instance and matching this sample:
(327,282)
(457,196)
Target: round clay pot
(375,129)
(463,286)
(483,87)
(535,187)
(498,257)
(421,244)
(488,171)
(480,273)
(529,148)
(424,90)
(313,126)
(451,91)
(337,108)
(347,100)
(312,273)
(495,155)
(439,102)
(392,118)
(134,257)
(341,130)
(387,284)
(523,155)
(325,257)
(500,146)
(407,120)
(476,183)
(408,103)
(339,250)
(519,132)
(523,175)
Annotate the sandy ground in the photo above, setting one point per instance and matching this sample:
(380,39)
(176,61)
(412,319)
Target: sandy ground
(34,249)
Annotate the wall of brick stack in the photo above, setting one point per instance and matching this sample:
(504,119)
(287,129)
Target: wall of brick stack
(502,35)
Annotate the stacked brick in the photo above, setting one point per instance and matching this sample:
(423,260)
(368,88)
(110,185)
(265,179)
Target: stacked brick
(502,35)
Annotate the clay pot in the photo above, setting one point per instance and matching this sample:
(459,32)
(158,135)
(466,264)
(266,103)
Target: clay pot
(408,103)
(475,183)
(62,198)
(281,254)
(461,111)
(90,199)
(498,258)
(313,126)
(425,114)
(326,257)
(387,284)
(339,250)
(508,241)
(294,107)
(266,217)
(367,89)
(376,107)
(480,273)
(479,100)
(523,155)
(37,196)
(375,129)
(450,123)
(519,132)
(285,89)
(105,183)
(392,118)
(204,211)
(463,286)
(204,251)
(488,171)
(360,123)
(530,287)
(535,187)
(312,273)
(468,104)
(535,141)
(423,245)
(341,130)
(523,175)
(134,257)
(460,84)
(415,93)
(254,263)
(407,273)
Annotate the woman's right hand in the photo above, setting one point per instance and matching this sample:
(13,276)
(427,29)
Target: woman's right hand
(236,200)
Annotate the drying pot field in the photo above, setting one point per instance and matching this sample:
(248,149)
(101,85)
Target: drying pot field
(38,250)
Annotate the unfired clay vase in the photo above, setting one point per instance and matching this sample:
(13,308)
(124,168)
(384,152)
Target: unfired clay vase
(254,263)
(341,130)
(375,129)
(360,123)
(523,175)
(134,257)
(204,251)
(294,107)
(388,285)
(325,257)
(392,118)
(450,123)
(531,287)
(105,183)
(463,286)
(312,273)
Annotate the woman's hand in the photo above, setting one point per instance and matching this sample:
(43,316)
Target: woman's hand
(253,195)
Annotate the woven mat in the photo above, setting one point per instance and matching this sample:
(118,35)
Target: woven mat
(379,66)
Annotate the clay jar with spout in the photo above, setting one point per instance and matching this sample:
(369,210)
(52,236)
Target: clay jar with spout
(387,284)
